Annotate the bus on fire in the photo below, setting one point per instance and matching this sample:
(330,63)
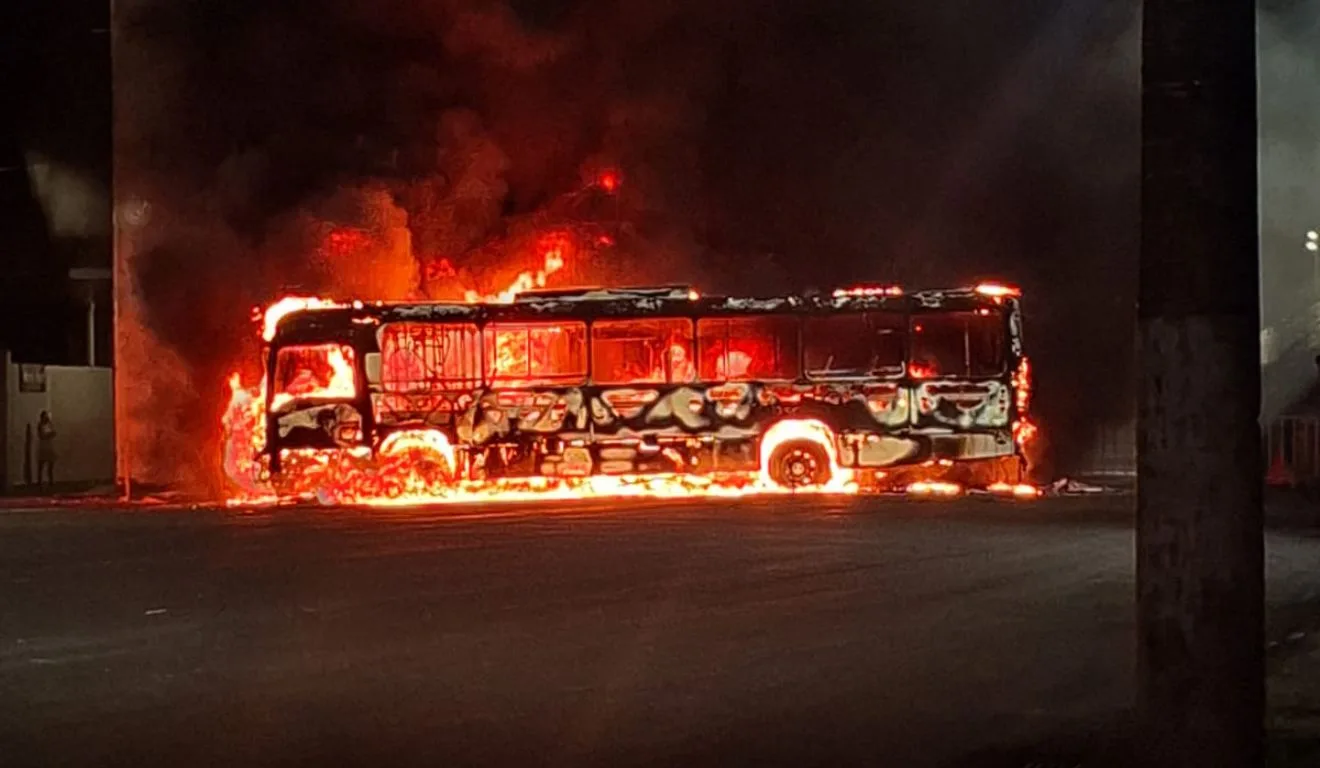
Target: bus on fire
(887,386)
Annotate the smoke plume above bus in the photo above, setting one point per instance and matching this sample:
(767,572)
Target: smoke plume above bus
(423,149)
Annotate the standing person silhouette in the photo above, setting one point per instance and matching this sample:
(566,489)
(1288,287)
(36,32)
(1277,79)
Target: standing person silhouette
(45,448)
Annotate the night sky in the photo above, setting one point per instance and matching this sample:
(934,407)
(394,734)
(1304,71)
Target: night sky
(55,128)
(763,146)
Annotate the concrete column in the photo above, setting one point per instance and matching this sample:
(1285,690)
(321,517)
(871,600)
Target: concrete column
(1199,539)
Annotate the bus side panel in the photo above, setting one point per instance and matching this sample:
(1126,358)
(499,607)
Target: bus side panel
(627,426)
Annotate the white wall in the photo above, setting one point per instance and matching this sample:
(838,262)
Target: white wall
(81,403)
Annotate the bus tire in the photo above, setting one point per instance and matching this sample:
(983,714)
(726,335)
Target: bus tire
(799,464)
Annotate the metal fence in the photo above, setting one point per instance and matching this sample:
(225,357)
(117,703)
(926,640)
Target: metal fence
(1291,446)
(1112,453)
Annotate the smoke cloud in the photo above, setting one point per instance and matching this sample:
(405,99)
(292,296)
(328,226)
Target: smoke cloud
(400,149)
(1289,57)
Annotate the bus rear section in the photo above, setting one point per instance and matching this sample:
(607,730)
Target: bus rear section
(881,389)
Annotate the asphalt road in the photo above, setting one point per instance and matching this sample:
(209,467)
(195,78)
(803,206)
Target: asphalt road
(799,632)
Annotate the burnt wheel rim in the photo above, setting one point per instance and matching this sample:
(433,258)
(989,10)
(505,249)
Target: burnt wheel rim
(800,467)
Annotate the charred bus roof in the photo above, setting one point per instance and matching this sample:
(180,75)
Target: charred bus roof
(661,301)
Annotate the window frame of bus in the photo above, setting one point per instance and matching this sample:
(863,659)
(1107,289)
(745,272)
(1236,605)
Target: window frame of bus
(790,323)
(995,318)
(490,334)
(278,388)
(459,384)
(668,373)
(900,325)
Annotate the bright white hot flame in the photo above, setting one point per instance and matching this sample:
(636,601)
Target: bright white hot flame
(934,488)
(811,430)
(287,306)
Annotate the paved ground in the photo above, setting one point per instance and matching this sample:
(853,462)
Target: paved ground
(807,632)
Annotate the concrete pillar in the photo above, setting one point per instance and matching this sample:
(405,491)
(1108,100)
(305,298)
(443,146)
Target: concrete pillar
(1199,538)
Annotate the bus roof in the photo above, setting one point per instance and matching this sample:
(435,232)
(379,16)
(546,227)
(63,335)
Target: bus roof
(659,301)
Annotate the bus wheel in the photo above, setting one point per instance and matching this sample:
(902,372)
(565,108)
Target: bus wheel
(800,463)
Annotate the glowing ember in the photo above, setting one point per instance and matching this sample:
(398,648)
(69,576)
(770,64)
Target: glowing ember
(608,181)
(934,488)
(349,478)
(1020,490)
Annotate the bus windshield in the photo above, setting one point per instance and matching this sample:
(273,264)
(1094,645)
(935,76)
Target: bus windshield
(313,372)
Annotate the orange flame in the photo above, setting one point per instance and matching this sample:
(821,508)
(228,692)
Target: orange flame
(934,488)
(552,260)
(244,422)
(1024,430)
(339,386)
(287,306)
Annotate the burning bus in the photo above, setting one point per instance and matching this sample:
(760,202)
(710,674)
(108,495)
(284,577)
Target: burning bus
(866,387)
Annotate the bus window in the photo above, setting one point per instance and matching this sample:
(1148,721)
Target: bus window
(854,345)
(985,344)
(313,372)
(536,354)
(747,348)
(422,357)
(957,344)
(642,351)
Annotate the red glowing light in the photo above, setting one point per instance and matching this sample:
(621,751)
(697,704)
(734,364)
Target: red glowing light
(996,291)
(608,181)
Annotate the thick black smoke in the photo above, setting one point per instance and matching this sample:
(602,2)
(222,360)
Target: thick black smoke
(762,146)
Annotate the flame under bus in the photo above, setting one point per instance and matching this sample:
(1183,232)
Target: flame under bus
(871,384)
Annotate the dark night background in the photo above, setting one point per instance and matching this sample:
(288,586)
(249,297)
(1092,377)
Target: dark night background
(764,146)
